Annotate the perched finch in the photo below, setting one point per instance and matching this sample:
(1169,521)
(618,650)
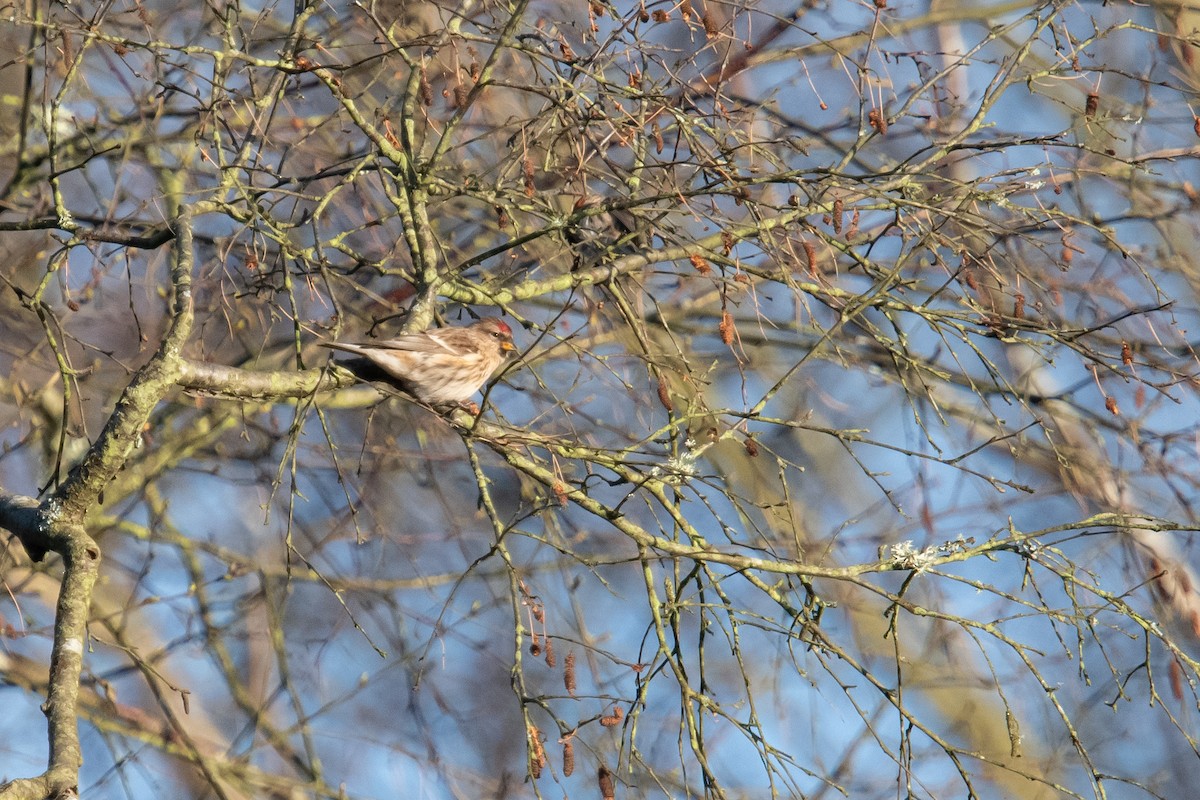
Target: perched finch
(441,365)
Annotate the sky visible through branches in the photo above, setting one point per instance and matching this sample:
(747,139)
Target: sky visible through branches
(849,450)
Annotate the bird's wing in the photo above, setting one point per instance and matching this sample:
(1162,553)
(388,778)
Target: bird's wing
(349,348)
(413,343)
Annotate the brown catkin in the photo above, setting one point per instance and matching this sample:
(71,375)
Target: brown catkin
(726,328)
(664,396)
(614,719)
(839,208)
(569,673)
(878,121)
(527,174)
(568,758)
(537,753)
(604,778)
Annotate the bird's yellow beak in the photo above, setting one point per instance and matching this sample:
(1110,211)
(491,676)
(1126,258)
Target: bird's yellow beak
(507,347)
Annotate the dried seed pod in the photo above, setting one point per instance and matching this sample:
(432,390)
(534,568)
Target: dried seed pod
(660,16)
(551,659)
(1110,403)
(1126,354)
(839,208)
(711,30)
(1093,103)
(1019,306)
(700,263)
(751,447)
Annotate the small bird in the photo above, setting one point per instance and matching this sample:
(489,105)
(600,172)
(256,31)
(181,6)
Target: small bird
(441,365)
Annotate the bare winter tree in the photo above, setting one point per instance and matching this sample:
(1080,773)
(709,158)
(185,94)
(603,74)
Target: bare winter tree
(849,449)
